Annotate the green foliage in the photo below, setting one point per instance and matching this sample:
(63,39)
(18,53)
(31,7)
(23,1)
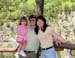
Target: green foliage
(53,7)
(12,9)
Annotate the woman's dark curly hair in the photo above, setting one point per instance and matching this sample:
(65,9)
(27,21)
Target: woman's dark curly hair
(44,26)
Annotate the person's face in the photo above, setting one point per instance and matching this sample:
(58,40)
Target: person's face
(23,22)
(32,21)
(40,23)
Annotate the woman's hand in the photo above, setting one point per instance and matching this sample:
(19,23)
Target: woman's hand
(58,42)
(58,39)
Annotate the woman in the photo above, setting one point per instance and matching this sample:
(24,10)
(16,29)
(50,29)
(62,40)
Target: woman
(46,36)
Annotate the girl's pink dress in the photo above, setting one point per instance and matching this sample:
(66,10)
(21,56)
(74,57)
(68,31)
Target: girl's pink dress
(22,33)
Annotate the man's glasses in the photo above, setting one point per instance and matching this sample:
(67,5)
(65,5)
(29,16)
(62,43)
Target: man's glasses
(32,20)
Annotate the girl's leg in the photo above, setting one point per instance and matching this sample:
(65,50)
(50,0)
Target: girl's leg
(24,45)
(22,49)
(19,48)
(18,51)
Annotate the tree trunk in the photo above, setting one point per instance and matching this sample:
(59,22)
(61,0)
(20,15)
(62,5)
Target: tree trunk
(39,7)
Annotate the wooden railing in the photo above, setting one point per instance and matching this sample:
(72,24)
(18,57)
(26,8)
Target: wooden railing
(8,49)
(12,51)
(67,45)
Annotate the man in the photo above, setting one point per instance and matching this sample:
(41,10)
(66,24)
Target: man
(33,42)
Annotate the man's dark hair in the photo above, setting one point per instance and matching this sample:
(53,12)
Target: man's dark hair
(32,16)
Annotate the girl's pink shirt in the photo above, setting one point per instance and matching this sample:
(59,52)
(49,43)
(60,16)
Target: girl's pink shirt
(22,32)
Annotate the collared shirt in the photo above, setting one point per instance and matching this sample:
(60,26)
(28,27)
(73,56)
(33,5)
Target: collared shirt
(45,38)
(33,42)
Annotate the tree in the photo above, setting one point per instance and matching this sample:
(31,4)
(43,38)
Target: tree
(39,6)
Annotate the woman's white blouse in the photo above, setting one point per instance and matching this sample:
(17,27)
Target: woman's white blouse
(45,38)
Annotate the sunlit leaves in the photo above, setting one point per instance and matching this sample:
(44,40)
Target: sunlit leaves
(11,9)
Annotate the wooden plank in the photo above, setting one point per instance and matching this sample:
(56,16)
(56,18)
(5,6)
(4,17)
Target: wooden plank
(4,47)
(8,49)
(67,45)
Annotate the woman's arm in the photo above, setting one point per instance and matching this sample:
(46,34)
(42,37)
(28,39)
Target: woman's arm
(58,39)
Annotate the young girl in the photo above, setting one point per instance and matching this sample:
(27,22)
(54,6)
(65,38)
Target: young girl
(22,36)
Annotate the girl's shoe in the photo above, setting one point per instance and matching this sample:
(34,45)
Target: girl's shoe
(22,53)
